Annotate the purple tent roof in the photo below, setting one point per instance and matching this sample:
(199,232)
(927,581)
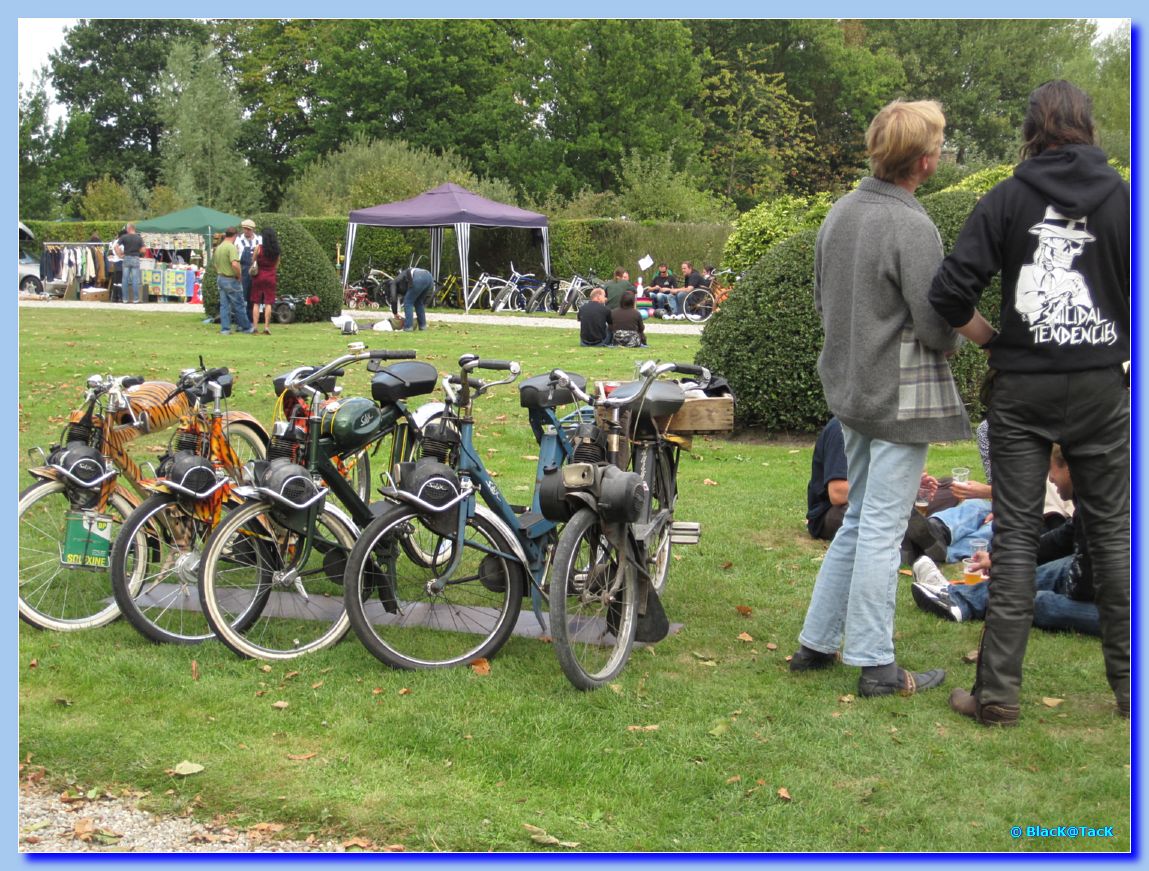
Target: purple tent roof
(445,206)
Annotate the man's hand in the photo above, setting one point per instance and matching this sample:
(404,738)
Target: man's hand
(972,490)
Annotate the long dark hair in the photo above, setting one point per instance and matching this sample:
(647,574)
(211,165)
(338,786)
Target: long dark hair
(270,243)
(1059,113)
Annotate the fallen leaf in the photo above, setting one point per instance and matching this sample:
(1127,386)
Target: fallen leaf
(720,728)
(652,728)
(395,848)
(34,663)
(745,636)
(290,675)
(279,706)
(377,691)
(405,691)
(317,685)
(847,699)
(67,703)
(84,828)
(906,572)
(709,483)
(784,794)
(744,610)
(737,778)
(481,667)
(770,645)
(726,565)
(970,657)
(186,769)
(195,670)
(265,668)
(531,457)
(1051,702)
(299,757)
(500,417)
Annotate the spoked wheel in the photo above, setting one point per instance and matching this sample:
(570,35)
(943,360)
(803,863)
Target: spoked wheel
(698,305)
(663,495)
(270,592)
(155,568)
(246,442)
(593,606)
(57,591)
(405,624)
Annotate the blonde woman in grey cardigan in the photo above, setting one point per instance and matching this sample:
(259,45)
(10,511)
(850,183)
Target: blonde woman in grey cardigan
(884,372)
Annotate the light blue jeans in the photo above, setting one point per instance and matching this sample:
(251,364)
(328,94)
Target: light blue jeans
(231,305)
(131,284)
(965,522)
(854,593)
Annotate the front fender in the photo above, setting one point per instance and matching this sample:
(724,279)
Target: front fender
(250,419)
(425,413)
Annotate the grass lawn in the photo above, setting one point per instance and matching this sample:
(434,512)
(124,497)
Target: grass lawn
(705,743)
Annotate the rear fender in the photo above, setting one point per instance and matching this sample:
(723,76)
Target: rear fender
(249,419)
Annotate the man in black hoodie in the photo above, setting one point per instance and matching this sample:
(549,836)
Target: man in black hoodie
(1058,231)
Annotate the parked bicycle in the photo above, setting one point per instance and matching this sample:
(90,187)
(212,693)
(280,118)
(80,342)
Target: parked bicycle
(70,518)
(438,578)
(375,288)
(613,557)
(702,302)
(515,293)
(155,558)
(270,580)
(575,293)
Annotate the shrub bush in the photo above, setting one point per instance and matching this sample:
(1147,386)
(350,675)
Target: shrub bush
(304,271)
(764,225)
(766,338)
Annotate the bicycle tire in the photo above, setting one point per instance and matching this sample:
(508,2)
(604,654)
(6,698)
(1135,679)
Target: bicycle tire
(698,305)
(406,627)
(590,603)
(55,596)
(154,571)
(292,611)
(663,495)
(246,441)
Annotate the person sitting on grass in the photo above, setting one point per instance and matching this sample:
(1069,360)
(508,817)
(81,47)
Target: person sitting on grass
(595,320)
(627,323)
(1064,579)
(616,288)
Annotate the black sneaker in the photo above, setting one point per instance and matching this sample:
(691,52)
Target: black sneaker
(925,538)
(936,602)
(903,683)
(806,659)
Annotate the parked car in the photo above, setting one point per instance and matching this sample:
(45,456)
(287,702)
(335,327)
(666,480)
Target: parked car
(30,274)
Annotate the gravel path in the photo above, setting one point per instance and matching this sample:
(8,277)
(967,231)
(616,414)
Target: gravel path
(107,824)
(365,316)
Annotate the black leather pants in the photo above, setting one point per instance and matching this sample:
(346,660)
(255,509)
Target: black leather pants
(1087,413)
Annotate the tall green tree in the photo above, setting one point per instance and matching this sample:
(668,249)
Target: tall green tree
(980,70)
(1104,72)
(109,69)
(55,165)
(602,88)
(199,158)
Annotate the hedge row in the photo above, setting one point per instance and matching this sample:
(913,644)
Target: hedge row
(766,338)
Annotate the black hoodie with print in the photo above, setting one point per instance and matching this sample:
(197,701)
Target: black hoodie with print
(1058,232)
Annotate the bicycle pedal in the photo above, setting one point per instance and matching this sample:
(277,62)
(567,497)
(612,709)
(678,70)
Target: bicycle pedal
(685,532)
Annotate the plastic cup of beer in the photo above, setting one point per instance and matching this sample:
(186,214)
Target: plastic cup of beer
(960,476)
(979,545)
(970,572)
(922,501)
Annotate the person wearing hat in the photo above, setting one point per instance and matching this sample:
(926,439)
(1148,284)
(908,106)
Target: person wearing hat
(1058,232)
(247,241)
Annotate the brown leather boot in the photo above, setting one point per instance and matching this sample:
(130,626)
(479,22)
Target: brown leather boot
(965,703)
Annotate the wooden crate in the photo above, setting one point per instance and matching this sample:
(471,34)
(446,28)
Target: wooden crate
(704,414)
(94,294)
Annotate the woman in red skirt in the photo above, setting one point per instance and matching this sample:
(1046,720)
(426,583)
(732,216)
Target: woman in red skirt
(263,283)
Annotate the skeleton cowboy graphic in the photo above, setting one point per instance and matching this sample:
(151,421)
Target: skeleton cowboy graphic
(1049,290)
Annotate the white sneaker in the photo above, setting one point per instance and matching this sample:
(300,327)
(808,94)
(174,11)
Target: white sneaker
(927,573)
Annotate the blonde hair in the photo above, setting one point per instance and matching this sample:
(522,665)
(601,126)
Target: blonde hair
(900,134)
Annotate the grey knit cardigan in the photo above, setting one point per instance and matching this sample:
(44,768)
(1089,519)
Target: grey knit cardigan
(883,364)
